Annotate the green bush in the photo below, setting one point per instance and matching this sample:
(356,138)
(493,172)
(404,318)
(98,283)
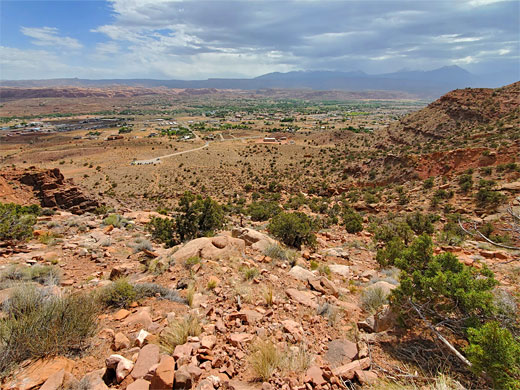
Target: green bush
(120,293)
(421,223)
(394,227)
(17,222)
(37,324)
(465,182)
(277,252)
(495,351)
(486,196)
(441,285)
(428,183)
(452,234)
(294,229)
(459,299)
(115,220)
(353,221)
(163,230)
(263,210)
(198,217)
(372,298)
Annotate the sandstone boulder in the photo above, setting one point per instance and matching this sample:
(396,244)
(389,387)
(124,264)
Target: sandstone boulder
(39,372)
(303,274)
(211,248)
(254,238)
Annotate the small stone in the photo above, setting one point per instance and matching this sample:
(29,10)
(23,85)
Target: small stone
(140,340)
(347,371)
(148,356)
(164,374)
(236,339)
(120,342)
(121,314)
(208,342)
(366,377)
(183,378)
(314,375)
(139,384)
(293,328)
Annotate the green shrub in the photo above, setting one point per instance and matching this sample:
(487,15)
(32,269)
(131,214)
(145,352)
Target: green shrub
(163,230)
(428,183)
(141,244)
(146,290)
(115,220)
(465,182)
(452,234)
(250,273)
(353,221)
(37,324)
(277,252)
(191,261)
(294,229)
(421,223)
(495,351)
(391,252)
(17,222)
(442,285)
(263,210)
(486,196)
(394,227)
(198,217)
(120,293)
(43,274)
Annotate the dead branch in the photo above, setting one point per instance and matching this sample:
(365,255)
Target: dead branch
(485,238)
(439,336)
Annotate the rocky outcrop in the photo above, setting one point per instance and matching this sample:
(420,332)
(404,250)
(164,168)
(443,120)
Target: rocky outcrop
(49,187)
(211,248)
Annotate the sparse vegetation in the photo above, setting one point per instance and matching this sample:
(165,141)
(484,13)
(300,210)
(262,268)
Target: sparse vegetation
(17,222)
(373,298)
(265,359)
(37,324)
(198,217)
(115,220)
(178,331)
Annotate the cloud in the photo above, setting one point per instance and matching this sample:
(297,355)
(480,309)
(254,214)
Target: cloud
(238,38)
(48,36)
(309,35)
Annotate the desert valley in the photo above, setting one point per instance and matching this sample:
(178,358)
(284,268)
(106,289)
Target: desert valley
(259,195)
(236,239)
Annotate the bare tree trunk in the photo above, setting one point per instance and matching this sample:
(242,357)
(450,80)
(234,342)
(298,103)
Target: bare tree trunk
(440,336)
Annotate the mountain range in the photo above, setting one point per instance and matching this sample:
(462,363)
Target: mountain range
(426,84)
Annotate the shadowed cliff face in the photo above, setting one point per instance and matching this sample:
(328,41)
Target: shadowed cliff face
(47,187)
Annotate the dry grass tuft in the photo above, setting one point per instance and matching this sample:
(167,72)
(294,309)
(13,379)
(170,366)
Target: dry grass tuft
(177,333)
(265,359)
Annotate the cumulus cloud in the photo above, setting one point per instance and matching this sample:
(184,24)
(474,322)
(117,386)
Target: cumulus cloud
(337,35)
(48,36)
(237,38)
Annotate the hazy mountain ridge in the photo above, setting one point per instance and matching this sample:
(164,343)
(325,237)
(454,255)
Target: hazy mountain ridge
(426,84)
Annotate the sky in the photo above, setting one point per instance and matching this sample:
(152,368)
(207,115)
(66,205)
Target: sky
(197,39)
